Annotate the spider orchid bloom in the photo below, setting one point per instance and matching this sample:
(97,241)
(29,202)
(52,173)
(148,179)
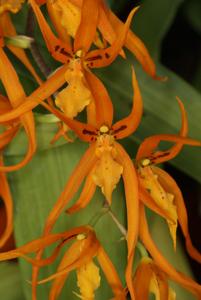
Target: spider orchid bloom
(17,96)
(7,29)
(160,260)
(158,187)
(66,16)
(76,96)
(150,279)
(104,163)
(79,256)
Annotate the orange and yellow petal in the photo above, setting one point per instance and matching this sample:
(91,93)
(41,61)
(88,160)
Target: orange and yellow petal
(171,186)
(149,181)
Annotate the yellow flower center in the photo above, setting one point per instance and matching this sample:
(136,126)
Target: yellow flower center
(10,5)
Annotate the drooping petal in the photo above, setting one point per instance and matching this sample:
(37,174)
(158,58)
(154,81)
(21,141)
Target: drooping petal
(135,45)
(7,136)
(128,125)
(9,30)
(17,96)
(85,196)
(87,251)
(111,274)
(171,186)
(103,103)
(46,89)
(160,260)
(150,279)
(60,50)
(149,181)
(69,257)
(147,200)
(150,144)
(132,205)
(65,18)
(87,29)
(80,172)
(104,57)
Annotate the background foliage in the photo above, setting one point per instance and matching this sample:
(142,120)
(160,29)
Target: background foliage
(36,187)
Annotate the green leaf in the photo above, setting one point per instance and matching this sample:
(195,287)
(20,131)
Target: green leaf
(10,281)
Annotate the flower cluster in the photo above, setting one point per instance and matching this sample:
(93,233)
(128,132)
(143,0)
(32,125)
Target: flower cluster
(89,35)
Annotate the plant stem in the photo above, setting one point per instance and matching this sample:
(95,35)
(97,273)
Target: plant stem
(44,68)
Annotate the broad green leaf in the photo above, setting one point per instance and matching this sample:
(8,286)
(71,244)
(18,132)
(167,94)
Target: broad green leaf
(153,20)
(10,281)
(193,13)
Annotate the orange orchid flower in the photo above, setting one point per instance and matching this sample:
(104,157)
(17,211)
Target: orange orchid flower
(16,96)
(71,18)
(160,260)
(103,164)
(150,279)
(79,257)
(7,29)
(158,190)
(79,59)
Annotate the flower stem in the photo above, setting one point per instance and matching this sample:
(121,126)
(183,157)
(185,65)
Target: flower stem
(44,68)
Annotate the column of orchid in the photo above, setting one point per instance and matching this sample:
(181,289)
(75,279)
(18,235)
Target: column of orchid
(88,35)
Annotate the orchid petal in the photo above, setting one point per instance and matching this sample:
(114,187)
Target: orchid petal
(61,51)
(69,257)
(171,186)
(130,123)
(40,243)
(56,17)
(85,196)
(17,96)
(150,279)
(163,264)
(46,89)
(86,31)
(135,45)
(110,274)
(132,204)
(85,132)
(104,57)
(149,180)
(148,201)
(103,103)
(150,144)
(87,252)
(80,172)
